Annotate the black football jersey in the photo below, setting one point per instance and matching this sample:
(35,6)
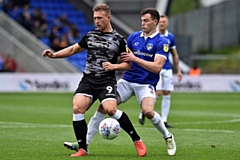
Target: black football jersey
(102,47)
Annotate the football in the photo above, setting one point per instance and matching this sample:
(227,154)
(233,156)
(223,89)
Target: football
(109,128)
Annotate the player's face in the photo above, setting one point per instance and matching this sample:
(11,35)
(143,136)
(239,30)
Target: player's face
(101,20)
(163,23)
(148,24)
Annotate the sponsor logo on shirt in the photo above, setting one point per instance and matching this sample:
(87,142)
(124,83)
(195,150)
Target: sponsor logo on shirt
(110,38)
(143,54)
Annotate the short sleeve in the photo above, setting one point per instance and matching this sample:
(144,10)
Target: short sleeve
(83,42)
(122,46)
(163,47)
(173,42)
(129,40)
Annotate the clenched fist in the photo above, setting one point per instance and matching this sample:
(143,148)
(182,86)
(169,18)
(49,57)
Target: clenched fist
(48,53)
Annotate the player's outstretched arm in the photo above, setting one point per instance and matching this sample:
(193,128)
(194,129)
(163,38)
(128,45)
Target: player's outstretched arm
(66,52)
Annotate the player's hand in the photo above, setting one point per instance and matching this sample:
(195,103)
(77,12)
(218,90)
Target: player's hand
(127,56)
(108,66)
(48,53)
(179,76)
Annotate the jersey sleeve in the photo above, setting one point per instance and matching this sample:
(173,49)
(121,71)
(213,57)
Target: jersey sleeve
(122,46)
(173,42)
(129,40)
(83,42)
(163,48)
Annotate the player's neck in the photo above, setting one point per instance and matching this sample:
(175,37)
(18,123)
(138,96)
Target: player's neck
(163,32)
(107,29)
(147,34)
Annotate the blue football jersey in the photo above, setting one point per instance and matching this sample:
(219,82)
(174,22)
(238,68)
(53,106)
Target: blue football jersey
(172,45)
(146,49)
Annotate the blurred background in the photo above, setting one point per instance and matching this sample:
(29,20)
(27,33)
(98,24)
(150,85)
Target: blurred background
(207,34)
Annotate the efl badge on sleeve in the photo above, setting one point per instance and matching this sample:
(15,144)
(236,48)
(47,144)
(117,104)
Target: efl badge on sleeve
(127,49)
(165,47)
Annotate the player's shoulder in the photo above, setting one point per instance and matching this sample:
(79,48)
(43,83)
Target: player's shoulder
(162,38)
(117,34)
(93,31)
(136,33)
(170,35)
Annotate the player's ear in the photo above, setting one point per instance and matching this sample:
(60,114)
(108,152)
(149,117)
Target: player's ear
(156,21)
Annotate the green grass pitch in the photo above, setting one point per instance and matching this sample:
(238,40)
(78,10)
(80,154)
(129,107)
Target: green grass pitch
(33,126)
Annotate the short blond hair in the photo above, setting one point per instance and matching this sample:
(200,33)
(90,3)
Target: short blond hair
(102,7)
(163,16)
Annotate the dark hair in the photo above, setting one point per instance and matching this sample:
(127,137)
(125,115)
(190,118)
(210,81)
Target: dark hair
(102,7)
(152,11)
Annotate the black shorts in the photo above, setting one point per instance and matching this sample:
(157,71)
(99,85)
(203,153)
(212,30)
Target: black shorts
(100,88)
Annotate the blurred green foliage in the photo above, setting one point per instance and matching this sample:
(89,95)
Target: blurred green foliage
(181,6)
(210,66)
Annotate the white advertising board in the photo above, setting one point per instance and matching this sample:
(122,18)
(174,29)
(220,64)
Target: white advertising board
(31,82)
(208,83)
(41,82)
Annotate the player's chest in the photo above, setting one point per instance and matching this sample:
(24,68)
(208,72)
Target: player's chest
(104,42)
(144,45)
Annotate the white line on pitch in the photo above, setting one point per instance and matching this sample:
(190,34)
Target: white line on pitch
(37,125)
(29,125)
(62,125)
(208,122)
(208,130)
(194,130)
(205,114)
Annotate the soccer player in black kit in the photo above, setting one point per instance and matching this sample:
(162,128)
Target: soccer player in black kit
(104,45)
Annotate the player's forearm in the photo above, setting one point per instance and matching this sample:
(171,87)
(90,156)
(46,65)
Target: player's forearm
(176,62)
(122,66)
(175,59)
(66,52)
(150,66)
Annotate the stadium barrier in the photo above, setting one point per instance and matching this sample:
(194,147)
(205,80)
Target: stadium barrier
(39,82)
(67,82)
(208,83)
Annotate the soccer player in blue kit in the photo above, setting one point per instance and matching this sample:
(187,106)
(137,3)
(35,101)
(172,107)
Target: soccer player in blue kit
(165,83)
(147,53)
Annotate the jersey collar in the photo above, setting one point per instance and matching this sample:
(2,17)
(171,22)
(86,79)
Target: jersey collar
(166,33)
(151,36)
